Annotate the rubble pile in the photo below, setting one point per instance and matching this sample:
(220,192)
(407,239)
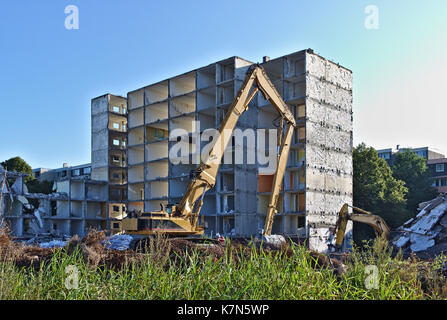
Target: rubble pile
(118,242)
(53,244)
(426,234)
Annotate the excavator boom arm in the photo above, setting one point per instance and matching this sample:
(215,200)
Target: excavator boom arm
(205,175)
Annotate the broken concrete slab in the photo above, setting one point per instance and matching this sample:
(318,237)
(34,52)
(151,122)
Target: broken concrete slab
(427,232)
(420,242)
(53,244)
(429,218)
(443,221)
(401,241)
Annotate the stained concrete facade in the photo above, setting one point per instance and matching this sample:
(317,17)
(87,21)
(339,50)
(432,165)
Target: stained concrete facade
(329,142)
(318,178)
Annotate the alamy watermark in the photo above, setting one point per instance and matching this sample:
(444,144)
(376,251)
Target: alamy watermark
(372,280)
(72,280)
(261,146)
(72,19)
(372,20)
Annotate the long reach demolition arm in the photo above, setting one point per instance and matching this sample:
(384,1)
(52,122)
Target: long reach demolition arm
(204,177)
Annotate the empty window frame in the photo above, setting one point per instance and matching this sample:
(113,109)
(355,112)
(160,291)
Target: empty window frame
(159,133)
(439,183)
(297,201)
(299,111)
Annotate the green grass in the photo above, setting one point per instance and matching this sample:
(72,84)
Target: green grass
(196,275)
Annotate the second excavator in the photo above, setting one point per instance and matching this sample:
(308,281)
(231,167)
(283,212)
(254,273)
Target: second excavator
(376,222)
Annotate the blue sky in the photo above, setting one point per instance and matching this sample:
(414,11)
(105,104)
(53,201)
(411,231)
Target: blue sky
(49,74)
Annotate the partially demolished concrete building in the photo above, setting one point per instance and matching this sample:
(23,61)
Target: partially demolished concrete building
(76,206)
(132,167)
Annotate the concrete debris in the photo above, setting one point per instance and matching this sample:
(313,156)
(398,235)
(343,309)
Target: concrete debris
(401,242)
(22,199)
(53,244)
(51,196)
(46,240)
(274,239)
(118,242)
(426,234)
(4,187)
(17,187)
(37,213)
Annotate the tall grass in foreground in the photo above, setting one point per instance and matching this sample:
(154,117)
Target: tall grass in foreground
(258,275)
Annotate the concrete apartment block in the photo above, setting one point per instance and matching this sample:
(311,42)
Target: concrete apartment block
(318,178)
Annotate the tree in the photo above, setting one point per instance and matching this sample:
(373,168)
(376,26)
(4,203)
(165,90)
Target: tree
(412,169)
(376,190)
(36,186)
(17,164)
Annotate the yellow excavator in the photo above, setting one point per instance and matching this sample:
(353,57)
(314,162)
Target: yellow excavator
(182,219)
(377,222)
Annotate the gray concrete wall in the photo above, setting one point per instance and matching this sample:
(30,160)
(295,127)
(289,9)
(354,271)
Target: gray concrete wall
(100,137)
(328,147)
